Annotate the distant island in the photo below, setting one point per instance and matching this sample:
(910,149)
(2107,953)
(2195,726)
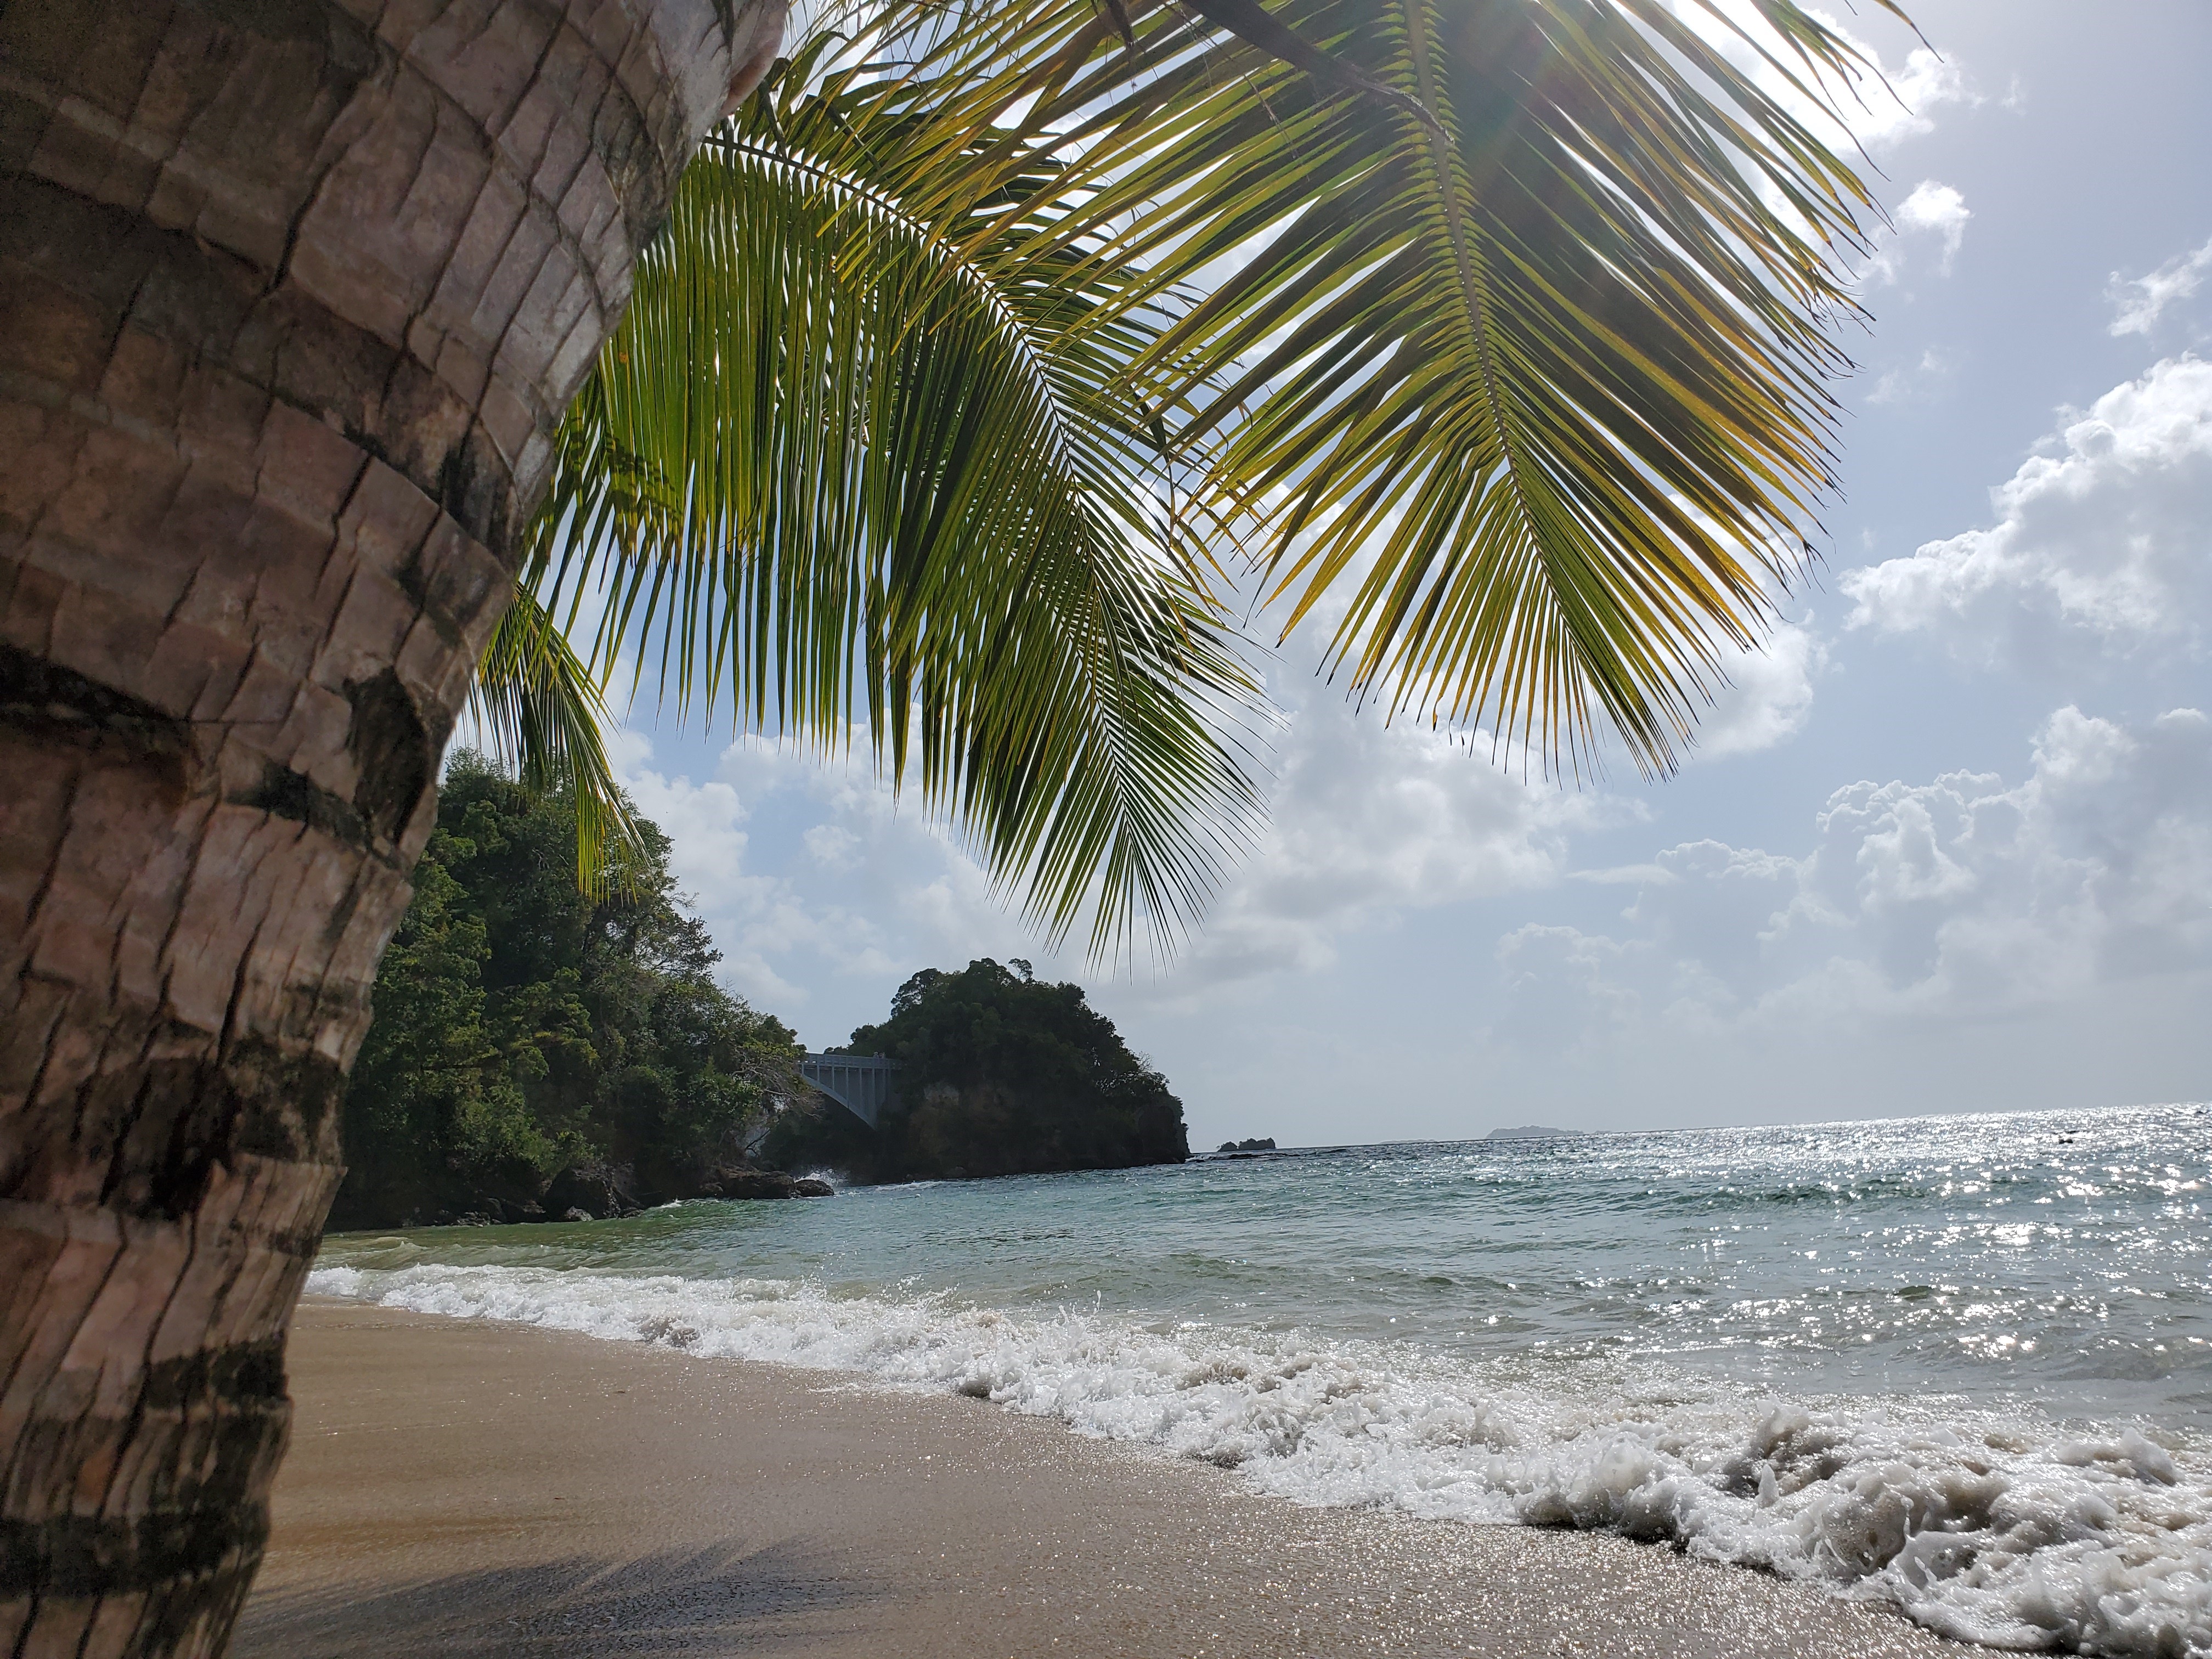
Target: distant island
(999,1073)
(1536,1132)
(1255,1145)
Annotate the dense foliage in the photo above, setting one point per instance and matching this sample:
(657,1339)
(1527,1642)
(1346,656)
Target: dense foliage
(999,1073)
(522,1026)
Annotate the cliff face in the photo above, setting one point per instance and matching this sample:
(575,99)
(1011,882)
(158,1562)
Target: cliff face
(999,1074)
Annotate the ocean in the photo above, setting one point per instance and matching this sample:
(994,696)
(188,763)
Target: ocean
(1962,1365)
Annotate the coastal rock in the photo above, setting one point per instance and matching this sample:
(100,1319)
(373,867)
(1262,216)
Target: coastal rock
(813,1186)
(573,1213)
(598,1190)
(1255,1145)
(749,1183)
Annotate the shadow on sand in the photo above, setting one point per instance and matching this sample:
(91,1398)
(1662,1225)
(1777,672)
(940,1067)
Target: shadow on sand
(672,1602)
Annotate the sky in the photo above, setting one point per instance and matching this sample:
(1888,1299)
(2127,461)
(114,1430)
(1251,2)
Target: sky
(1945,846)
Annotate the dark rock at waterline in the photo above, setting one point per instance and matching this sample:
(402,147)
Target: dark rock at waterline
(598,1190)
(748,1184)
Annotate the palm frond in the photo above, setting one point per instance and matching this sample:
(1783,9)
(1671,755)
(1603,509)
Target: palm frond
(1520,371)
(874,476)
(543,713)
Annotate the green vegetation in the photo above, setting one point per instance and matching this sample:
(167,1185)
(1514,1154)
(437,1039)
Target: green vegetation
(984,339)
(999,1074)
(536,1045)
(524,1027)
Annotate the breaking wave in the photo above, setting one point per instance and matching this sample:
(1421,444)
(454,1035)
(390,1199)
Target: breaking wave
(1999,1529)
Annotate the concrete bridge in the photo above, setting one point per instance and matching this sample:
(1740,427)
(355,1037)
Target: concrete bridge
(861,1083)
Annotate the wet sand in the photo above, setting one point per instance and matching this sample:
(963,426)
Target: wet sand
(472,1489)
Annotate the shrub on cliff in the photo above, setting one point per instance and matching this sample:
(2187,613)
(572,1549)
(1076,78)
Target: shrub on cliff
(999,1073)
(522,1026)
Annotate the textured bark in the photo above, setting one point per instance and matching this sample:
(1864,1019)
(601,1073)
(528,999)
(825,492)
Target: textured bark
(292,292)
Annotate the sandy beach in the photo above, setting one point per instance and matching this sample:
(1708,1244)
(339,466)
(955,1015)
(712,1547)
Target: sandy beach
(470,1488)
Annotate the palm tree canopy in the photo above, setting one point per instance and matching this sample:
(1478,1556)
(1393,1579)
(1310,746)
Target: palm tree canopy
(856,466)
(1498,332)
(1518,354)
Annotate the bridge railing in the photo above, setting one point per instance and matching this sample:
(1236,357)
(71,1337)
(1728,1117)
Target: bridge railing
(861,1083)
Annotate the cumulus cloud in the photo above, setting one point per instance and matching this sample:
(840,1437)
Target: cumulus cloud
(770,927)
(1960,897)
(813,876)
(832,846)
(1878,113)
(1769,698)
(704,822)
(1939,209)
(2138,303)
(1370,821)
(2105,542)
(1933,210)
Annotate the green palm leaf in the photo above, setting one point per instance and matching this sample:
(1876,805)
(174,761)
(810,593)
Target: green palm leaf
(872,472)
(1517,348)
(542,712)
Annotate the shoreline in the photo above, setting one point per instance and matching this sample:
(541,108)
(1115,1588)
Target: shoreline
(466,1487)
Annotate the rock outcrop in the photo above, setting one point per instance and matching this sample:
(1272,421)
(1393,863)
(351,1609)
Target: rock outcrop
(599,1190)
(747,1182)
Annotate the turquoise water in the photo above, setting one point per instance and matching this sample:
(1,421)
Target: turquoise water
(1962,1364)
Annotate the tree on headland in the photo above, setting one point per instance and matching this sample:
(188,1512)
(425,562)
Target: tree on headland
(999,1073)
(522,1026)
(296,297)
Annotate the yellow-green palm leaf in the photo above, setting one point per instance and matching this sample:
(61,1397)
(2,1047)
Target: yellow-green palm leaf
(863,471)
(542,712)
(1515,350)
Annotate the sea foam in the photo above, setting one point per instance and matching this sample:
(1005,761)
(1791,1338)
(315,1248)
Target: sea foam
(2005,1531)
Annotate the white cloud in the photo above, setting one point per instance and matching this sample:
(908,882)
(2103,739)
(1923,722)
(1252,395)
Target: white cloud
(832,846)
(1875,116)
(2106,542)
(1940,208)
(1368,822)
(763,923)
(1769,698)
(1959,897)
(1932,209)
(703,822)
(2140,302)
(1925,83)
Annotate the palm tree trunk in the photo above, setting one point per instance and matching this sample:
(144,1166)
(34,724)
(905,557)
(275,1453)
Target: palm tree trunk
(292,292)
